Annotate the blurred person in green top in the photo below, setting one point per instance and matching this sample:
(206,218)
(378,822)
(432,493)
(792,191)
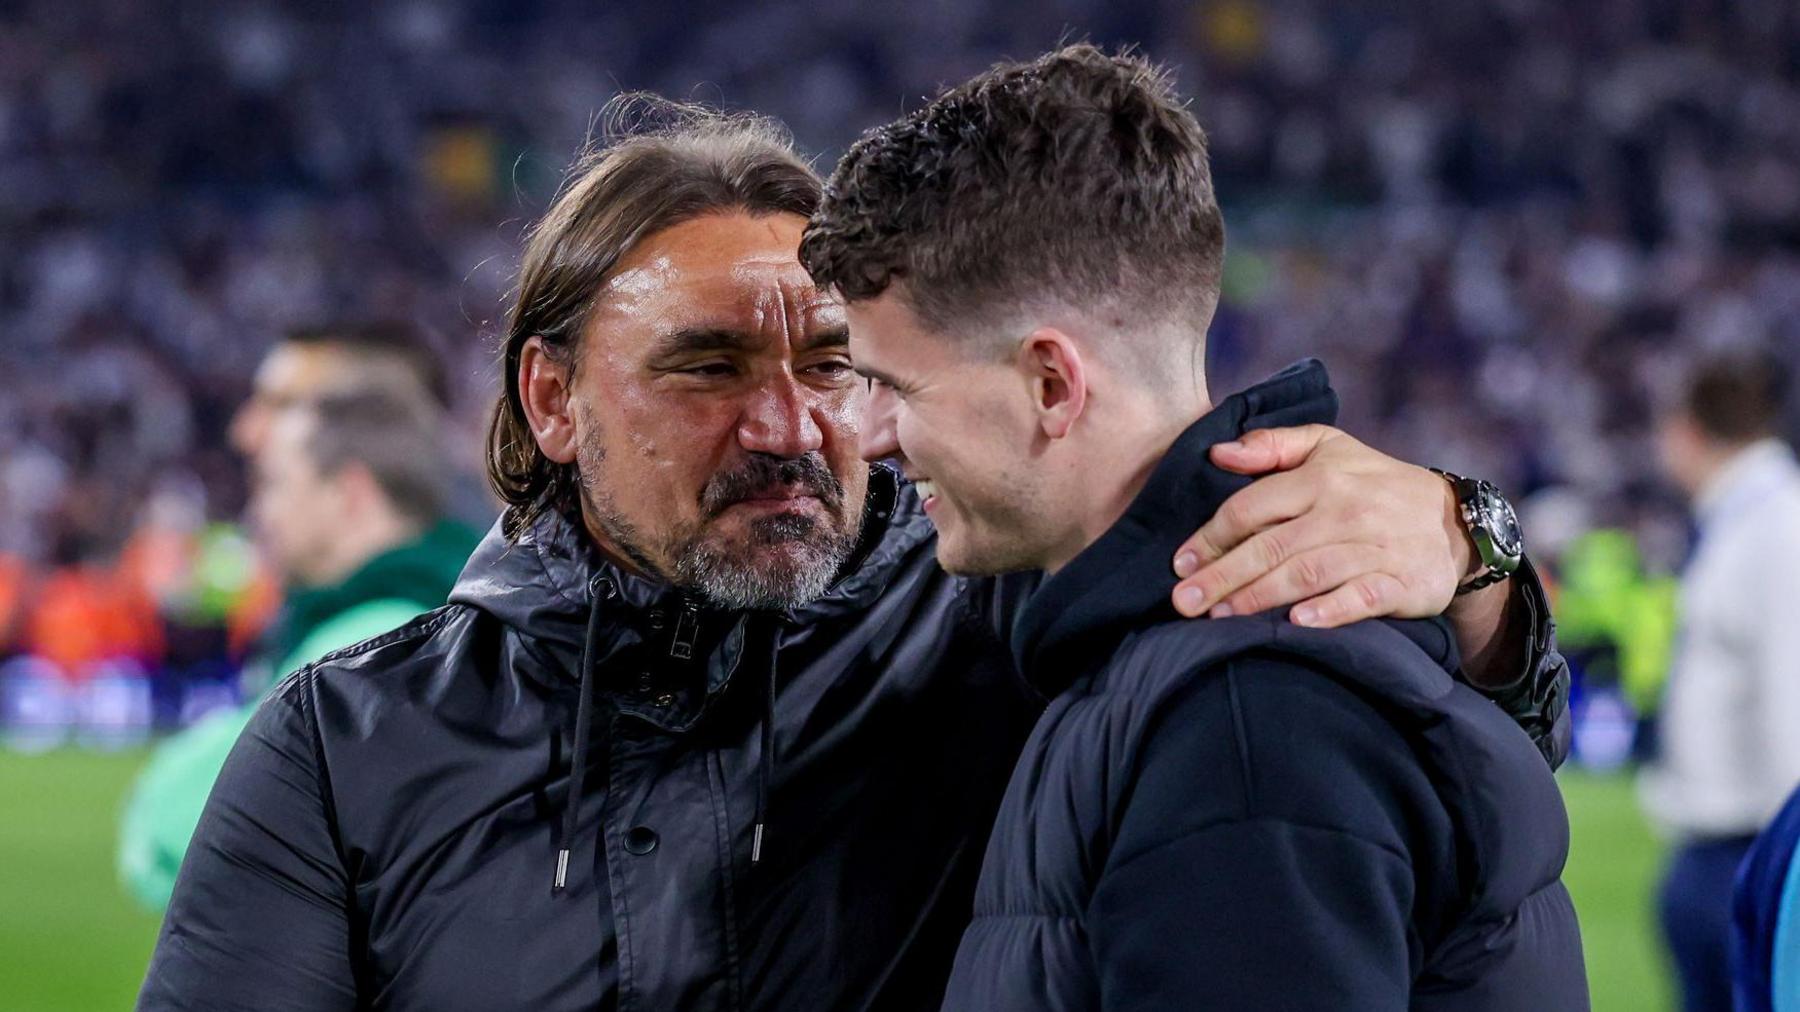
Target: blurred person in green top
(348,499)
(348,504)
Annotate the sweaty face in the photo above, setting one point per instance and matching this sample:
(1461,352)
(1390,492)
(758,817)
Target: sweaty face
(960,427)
(716,412)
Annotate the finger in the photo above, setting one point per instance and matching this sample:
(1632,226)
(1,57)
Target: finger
(1257,556)
(1274,500)
(1306,575)
(1373,595)
(1260,451)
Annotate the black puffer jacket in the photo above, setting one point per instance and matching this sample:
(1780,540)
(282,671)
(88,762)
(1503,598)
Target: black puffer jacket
(387,832)
(1246,814)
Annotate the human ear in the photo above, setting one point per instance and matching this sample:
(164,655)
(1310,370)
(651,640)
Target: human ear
(544,393)
(1056,377)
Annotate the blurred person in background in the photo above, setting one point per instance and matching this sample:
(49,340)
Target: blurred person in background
(394,363)
(1728,737)
(349,499)
(312,363)
(348,502)
(702,619)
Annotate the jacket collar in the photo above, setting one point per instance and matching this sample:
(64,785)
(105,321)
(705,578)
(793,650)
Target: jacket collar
(1125,579)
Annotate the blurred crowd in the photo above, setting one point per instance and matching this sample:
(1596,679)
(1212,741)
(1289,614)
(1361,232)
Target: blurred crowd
(1505,226)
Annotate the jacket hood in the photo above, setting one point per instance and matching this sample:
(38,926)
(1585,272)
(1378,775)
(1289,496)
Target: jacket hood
(546,582)
(1126,578)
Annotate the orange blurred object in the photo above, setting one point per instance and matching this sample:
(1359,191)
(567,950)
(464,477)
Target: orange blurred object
(87,614)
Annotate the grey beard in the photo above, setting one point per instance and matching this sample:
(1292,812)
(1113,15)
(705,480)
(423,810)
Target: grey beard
(812,558)
(807,554)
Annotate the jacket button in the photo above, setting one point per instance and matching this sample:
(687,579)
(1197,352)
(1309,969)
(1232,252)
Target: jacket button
(658,620)
(640,840)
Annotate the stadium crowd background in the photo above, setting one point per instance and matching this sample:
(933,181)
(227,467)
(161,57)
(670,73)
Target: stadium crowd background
(1505,226)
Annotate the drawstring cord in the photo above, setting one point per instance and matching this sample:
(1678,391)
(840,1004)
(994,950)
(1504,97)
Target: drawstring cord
(584,721)
(765,773)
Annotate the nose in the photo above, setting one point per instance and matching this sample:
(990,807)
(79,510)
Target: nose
(878,440)
(779,420)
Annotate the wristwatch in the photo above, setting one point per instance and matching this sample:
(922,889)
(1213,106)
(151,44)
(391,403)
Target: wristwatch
(1492,526)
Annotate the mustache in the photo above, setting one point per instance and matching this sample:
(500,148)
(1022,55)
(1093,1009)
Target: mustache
(761,473)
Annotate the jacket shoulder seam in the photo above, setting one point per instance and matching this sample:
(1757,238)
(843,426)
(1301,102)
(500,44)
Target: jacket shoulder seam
(421,626)
(1239,732)
(1244,747)
(1266,820)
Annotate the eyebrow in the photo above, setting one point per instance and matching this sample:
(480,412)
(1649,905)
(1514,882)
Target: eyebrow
(691,340)
(829,337)
(695,340)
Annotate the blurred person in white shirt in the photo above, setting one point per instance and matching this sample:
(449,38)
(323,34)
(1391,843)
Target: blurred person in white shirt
(1730,724)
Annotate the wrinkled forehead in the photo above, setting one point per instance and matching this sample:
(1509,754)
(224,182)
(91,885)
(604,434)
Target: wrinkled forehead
(731,271)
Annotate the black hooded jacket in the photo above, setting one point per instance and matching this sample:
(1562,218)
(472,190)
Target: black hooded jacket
(1247,814)
(389,829)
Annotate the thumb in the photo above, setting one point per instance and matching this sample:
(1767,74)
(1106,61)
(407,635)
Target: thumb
(1260,451)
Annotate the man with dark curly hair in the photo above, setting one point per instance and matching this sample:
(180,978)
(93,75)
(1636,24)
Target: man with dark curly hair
(1242,813)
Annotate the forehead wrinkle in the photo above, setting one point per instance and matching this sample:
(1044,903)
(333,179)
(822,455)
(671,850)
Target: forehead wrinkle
(688,340)
(702,279)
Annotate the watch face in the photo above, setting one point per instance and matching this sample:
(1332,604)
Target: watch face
(1501,522)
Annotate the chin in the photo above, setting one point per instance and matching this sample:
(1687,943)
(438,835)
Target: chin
(960,559)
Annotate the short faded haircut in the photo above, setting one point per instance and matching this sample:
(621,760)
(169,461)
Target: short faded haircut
(1078,179)
(382,348)
(394,435)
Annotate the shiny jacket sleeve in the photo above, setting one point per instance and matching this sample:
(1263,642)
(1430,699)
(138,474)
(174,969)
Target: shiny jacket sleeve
(260,917)
(1538,700)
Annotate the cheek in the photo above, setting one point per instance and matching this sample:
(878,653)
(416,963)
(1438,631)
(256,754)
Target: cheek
(916,436)
(280,506)
(839,414)
(316,514)
(661,441)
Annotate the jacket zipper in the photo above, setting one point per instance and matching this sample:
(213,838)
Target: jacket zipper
(687,627)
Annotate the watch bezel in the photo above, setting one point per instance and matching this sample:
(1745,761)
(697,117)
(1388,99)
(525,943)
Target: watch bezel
(1478,501)
(1492,510)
